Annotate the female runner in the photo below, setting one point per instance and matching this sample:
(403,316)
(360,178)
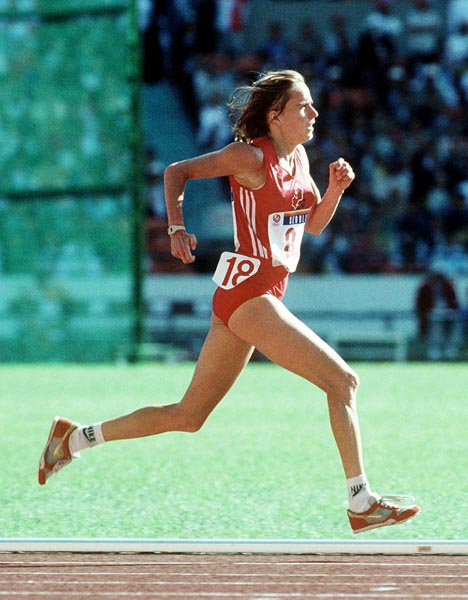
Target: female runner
(274,201)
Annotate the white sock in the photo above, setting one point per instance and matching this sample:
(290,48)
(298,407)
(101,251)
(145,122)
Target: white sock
(86,436)
(359,493)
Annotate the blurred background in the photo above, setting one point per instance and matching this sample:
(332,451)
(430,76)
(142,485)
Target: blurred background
(98,96)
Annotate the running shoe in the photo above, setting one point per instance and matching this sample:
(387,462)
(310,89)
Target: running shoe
(56,454)
(386,510)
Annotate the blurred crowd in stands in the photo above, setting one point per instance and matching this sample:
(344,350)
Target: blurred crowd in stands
(392,99)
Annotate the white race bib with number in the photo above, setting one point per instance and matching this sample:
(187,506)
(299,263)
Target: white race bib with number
(285,231)
(233,269)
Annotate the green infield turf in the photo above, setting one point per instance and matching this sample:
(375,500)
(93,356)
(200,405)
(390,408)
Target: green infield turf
(264,466)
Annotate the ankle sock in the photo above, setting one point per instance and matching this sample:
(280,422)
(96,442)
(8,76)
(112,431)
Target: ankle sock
(359,493)
(86,436)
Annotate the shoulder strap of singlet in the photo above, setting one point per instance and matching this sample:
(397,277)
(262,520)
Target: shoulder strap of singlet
(267,147)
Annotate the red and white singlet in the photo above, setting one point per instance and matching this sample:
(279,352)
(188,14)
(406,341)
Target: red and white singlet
(268,229)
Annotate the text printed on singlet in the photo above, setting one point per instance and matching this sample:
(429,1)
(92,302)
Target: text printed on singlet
(285,232)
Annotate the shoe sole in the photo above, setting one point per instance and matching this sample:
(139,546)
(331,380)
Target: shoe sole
(41,474)
(385,524)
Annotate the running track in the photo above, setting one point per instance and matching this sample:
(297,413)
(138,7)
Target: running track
(44,575)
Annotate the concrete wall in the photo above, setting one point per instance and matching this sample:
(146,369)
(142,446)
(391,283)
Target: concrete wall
(326,302)
(312,292)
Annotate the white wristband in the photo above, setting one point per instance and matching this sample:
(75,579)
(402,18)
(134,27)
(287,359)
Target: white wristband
(173,228)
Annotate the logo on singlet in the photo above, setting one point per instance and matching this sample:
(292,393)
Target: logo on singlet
(297,201)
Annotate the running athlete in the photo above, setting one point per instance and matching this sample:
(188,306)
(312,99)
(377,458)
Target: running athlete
(274,201)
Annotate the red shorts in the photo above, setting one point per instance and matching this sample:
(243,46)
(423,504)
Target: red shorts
(268,280)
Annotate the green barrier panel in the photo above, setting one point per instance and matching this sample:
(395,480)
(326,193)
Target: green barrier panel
(70,192)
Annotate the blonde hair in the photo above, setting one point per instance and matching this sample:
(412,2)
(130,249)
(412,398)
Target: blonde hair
(250,104)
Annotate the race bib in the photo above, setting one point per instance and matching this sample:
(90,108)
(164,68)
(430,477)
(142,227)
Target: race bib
(285,232)
(233,269)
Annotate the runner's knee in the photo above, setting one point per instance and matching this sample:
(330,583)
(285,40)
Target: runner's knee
(187,421)
(345,387)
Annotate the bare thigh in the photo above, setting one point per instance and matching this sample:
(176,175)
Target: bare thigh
(267,324)
(222,359)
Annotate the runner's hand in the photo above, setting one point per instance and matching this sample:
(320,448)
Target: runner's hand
(341,174)
(182,245)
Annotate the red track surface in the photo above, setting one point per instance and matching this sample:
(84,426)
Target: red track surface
(36,576)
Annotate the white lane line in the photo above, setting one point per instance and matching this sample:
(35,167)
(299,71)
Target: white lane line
(233,583)
(328,563)
(231,574)
(165,594)
(388,595)
(198,595)
(235,546)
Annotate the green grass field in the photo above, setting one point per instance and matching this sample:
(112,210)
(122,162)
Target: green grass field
(264,466)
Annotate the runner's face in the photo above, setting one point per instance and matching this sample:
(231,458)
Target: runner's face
(297,119)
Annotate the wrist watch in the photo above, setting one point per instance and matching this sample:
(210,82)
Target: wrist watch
(173,228)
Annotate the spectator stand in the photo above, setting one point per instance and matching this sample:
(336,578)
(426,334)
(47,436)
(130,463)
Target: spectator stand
(394,108)
(396,112)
